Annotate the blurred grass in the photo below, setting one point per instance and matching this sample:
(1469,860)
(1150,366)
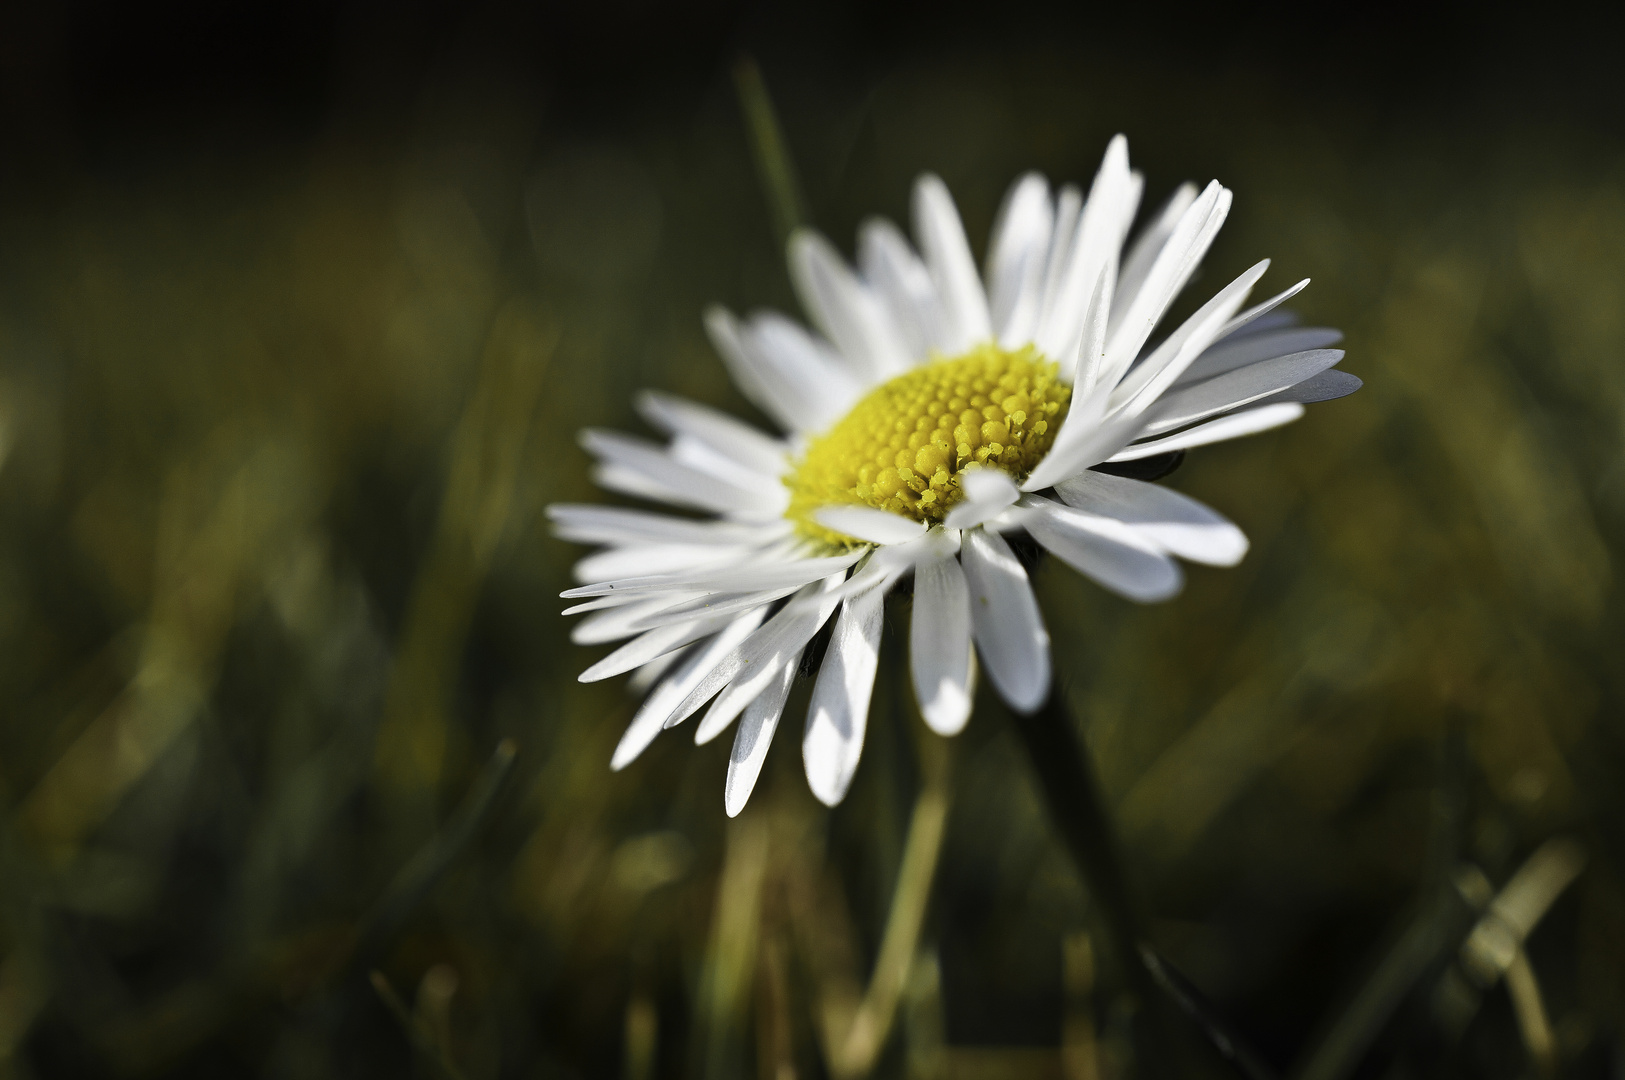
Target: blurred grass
(273,591)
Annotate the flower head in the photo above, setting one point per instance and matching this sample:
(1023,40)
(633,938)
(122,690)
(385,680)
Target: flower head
(928,417)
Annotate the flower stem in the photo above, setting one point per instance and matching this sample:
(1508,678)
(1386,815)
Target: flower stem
(1066,778)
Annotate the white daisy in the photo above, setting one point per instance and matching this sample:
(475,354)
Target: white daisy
(930,415)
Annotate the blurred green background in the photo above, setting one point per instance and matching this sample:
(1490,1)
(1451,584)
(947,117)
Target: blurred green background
(300,309)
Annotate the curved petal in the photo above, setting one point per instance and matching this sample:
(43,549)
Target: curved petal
(843,308)
(736,439)
(839,712)
(753,738)
(1104,549)
(1005,621)
(1237,352)
(1233,426)
(1174,522)
(694,666)
(1016,258)
(868,523)
(1148,245)
(940,645)
(947,255)
(892,268)
(1233,389)
(987,493)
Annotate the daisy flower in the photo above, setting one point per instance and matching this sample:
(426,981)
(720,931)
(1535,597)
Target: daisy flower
(931,413)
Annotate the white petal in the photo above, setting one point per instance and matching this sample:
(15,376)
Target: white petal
(651,717)
(1016,258)
(648,646)
(645,559)
(783,370)
(734,438)
(892,268)
(1092,339)
(1327,386)
(987,493)
(1174,522)
(1234,426)
(622,621)
(843,308)
(1174,265)
(1240,350)
(590,524)
(1258,311)
(1148,245)
(1141,387)
(940,645)
(754,737)
(1110,552)
(839,711)
(947,255)
(708,605)
(765,575)
(868,523)
(678,483)
(1092,445)
(746,670)
(1063,238)
(1105,220)
(1233,389)
(1005,622)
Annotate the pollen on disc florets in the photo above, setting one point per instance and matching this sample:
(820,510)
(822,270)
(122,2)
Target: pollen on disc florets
(903,447)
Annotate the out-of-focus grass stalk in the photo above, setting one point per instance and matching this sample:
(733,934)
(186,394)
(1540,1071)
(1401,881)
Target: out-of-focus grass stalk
(855,1054)
(730,954)
(772,154)
(775,1029)
(425,1026)
(1080,1053)
(487,452)
(203,560)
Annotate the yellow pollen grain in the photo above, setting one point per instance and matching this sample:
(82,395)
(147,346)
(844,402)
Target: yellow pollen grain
(903,447)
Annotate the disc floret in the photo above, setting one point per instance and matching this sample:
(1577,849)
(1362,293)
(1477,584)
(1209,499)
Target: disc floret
(903,447)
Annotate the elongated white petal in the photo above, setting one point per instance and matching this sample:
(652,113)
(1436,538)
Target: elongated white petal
(940,645)
(755,735)
(623,620)
(1327,386)
(887,564)
(680,483)
(893,269)
(767,575)
(1093,445)
(1173,267)
(1005,621)
(650,718)
(724,434)
(1240,350)
(1104,222)
(1174,522)
(1016,260)
(839,712)
(783,369)
(1105,549)
(987,493)
(1233,389)
(1147,246)
(588,524)
(843,308)
(745,671)
(1252,315)
(870,524)
(649,645)
(709,605)
(1234,426)
(1141,387)
(645,559)
(1092,340)
(948,257)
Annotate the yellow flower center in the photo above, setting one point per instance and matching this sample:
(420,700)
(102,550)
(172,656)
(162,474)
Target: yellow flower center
(903,447)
